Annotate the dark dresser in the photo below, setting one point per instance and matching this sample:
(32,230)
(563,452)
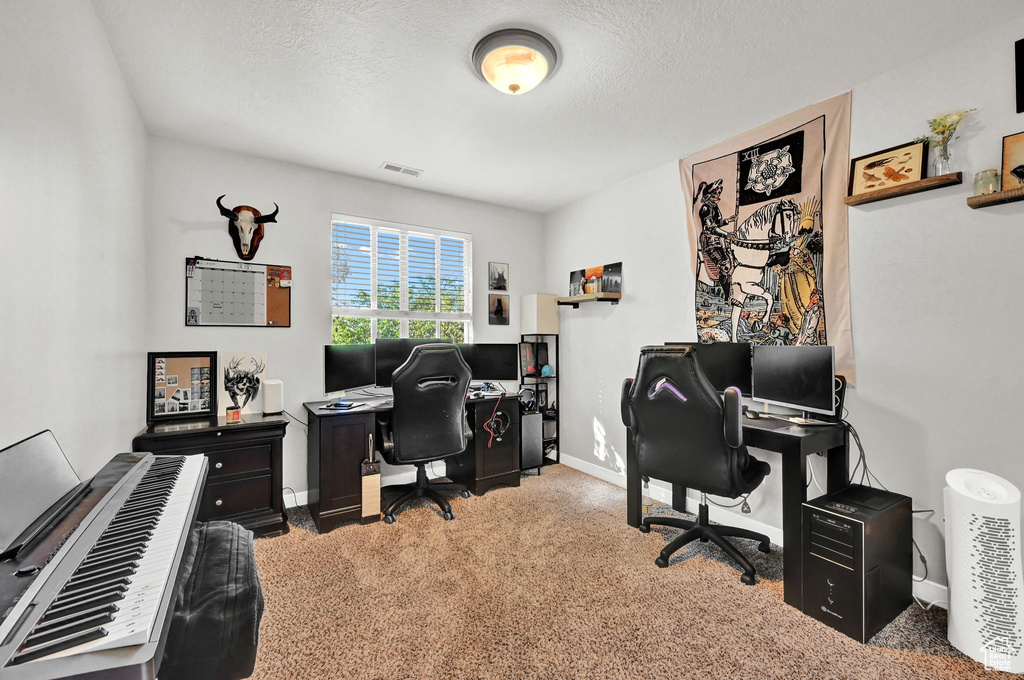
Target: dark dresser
(244,483)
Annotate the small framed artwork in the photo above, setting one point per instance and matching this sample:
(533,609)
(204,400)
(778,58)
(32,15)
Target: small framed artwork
(541,392)
(890,167)
(497,310)
(497,276)
(1013,162)
(181,385)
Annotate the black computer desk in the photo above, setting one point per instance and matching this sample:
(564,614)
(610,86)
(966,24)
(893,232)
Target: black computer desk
(795,444)
(338,442)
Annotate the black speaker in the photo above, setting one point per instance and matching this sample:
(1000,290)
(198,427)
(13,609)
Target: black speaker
(838,401)
(531,441)
(857,559)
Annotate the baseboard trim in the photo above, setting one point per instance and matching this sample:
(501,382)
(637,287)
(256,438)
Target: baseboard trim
(294,499)
(930,591)
(663,493)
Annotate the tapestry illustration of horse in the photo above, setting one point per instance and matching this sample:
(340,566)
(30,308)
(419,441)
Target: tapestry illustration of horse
(770,264)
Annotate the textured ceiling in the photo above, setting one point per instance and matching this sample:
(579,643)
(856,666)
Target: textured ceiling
(344,85)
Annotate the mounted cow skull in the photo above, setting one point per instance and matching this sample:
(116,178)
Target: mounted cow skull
(245,224)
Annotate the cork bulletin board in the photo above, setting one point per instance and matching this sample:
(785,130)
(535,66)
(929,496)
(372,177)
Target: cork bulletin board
(219,293)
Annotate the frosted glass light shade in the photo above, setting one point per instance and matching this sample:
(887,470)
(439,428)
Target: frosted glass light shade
(514,61)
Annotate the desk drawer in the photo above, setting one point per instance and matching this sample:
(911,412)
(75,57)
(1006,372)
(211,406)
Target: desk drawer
(255,458)
(243,496)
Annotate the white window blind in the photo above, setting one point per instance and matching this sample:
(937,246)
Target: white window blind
(383,270)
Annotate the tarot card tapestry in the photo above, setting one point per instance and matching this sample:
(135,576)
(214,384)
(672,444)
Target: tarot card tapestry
(768,233)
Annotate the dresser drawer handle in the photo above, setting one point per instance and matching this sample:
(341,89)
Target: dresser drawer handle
(219,433)
(219,502)
(219,465)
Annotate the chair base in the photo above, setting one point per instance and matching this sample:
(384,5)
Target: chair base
(422,487)
(704,531)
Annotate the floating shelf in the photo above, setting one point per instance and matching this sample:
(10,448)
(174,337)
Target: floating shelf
(575,300)
(998,197)
(926,184)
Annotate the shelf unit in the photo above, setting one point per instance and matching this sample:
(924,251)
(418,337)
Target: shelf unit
(550,425)
(997,198)
(575,300)
(926,184)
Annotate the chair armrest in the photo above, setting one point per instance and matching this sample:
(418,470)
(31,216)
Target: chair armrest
(387,437)
(733,402)
(627,415)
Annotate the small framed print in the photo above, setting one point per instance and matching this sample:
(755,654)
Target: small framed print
(497,310)
(890,167)
(1012,175)
(181,385)
(497,276)
(541,392)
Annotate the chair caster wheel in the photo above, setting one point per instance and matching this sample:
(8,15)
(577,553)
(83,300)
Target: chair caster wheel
(764,547)
(644,528)
(748,579)
(449,516)
(389,519)
(661,562)
(465,494)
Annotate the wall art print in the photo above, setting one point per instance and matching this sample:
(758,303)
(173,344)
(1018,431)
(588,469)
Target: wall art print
(241,384)
(768,233)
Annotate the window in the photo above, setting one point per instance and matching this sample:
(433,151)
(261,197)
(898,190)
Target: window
(397,281)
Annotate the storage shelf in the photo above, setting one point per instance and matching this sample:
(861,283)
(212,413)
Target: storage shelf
(997,198)
(541,377)
(926,184)
(575,300)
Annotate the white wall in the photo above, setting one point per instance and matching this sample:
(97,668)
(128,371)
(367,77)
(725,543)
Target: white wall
(935,321)
(72,187)
(186,180)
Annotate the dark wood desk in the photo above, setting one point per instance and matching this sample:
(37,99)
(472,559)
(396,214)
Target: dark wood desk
(338,442)
(795,444)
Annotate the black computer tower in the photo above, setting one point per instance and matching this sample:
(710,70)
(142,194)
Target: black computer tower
(857,559)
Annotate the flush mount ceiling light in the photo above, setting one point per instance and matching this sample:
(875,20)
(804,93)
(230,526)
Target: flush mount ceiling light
(514,60)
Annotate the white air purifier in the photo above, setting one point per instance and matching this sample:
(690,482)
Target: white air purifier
(983,568)
(273,397)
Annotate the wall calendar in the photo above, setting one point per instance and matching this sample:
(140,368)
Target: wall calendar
(219,293)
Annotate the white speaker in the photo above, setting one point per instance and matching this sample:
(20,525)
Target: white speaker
(983,567)
(273,397)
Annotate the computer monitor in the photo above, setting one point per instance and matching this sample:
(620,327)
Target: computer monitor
(492,360)
(726,364)
(799,376)
(392,353)
(348,366)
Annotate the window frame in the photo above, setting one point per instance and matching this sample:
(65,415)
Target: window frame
(404,315)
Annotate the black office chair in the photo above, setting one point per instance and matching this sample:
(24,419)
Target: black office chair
(428,421)
(685,433)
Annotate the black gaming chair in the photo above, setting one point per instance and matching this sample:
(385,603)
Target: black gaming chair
(428,421)
(685,433)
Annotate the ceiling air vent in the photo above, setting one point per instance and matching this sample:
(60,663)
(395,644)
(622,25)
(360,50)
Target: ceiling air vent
(401,169)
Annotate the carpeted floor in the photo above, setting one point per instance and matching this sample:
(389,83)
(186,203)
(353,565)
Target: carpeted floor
(548,581)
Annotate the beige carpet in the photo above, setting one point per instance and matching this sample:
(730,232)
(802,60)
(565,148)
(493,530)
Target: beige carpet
(547,581)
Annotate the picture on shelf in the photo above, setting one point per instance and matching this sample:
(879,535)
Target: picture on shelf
(497,276)
(1013,162)
(577,281)
(606,279)
(897,165)
(497,310)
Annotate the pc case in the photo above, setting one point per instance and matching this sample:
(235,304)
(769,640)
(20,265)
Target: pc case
(857,559)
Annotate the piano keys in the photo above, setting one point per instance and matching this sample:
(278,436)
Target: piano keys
(91,597)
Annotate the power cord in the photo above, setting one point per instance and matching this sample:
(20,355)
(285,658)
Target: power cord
(303,424)
(745,509)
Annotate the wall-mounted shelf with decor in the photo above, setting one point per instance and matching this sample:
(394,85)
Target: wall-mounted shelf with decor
(926,184)
(998,197)
(575,300)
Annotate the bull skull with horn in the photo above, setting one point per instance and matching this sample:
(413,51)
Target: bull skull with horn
(245,224)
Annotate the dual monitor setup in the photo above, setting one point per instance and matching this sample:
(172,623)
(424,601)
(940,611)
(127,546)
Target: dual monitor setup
(348,367)
(800,377)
